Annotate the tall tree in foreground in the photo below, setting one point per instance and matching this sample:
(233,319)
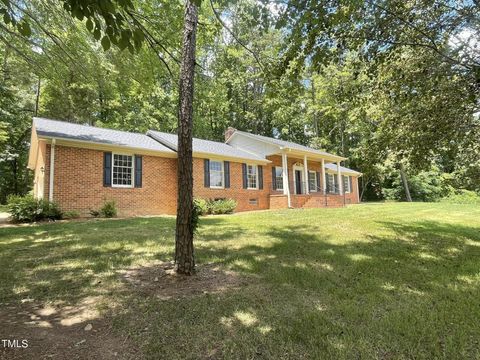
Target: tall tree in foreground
(184,257)
(117,22)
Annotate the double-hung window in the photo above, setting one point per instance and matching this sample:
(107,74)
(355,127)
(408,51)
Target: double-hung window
(346,184)
(216,174)
(278,178)
(252,177)
(312,181)
(331,183)
(122,170)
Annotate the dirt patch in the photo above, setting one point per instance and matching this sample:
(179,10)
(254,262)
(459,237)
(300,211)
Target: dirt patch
(60,332)
(161,280)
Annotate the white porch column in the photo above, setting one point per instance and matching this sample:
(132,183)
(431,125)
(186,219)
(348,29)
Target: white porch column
(324,180)
(52,171)
(305,168)
(286,188)
(339,178)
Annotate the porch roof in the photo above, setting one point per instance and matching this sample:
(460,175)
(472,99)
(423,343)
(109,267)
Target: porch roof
(288,145)
(343,170)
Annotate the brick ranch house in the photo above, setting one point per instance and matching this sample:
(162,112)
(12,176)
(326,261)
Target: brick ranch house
(79,167)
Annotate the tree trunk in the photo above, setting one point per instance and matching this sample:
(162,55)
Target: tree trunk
(184,257)
(405,183)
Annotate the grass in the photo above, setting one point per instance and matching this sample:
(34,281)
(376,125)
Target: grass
(368,281)
(3,208)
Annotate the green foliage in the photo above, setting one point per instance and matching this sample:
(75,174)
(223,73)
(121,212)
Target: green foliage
(462,197)
(222,206)
(201,206)
(108,209)
(28,209)
(215,206)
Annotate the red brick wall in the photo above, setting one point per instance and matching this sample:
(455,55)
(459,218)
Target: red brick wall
(78,184)
(236,190)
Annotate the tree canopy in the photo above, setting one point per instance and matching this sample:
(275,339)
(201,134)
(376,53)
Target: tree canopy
(379,82)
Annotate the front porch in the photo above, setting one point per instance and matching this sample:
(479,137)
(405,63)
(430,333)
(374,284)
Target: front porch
(304,182)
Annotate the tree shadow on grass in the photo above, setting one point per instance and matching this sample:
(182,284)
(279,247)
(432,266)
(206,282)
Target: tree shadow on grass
(408,290)
(65,262)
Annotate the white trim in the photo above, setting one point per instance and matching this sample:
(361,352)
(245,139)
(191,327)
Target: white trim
(52,170)
(256,175)
(133,171)
(210,172)
(305,175)
(316,180)
(282,184)
(286,188)
(324,180)
(340,180)
(347,190)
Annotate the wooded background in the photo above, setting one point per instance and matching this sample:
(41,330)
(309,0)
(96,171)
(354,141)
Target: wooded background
(388,84)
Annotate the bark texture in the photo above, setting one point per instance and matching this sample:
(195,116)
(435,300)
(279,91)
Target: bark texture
(405,183)
(184,256)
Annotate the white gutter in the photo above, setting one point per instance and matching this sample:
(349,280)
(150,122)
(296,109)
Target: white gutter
(52,170)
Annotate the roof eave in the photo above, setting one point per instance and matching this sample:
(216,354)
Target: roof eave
(86,144)
(206,155)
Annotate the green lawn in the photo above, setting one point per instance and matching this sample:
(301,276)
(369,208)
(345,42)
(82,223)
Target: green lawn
(367,281)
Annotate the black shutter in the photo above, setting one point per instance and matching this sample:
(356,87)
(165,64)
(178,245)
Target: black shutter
(107,169)
(138,171)
(206,173)
(226,170)
(244,175)
(260,177)
(318,182)
(274,178)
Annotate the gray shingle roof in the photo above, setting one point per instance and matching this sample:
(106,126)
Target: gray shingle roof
(205,146)
(286,144)
(71,131)
(331,166)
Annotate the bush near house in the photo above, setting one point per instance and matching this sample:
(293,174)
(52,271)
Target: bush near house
(108,210)
(28,209)
(215,206)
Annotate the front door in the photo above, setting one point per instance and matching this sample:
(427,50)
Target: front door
(298,181)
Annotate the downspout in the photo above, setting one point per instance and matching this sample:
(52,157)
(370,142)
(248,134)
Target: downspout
(52,171)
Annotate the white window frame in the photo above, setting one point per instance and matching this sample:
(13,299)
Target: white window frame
(222,171)
(256,177)
(347,189)
(133,171)
(315,185)
(331,176)
(279,188)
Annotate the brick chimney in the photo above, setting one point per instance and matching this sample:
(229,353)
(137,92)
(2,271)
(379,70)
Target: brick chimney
(229,132)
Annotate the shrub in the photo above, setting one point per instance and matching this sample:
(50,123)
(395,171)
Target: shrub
(201,206)
(214,206)
(222,206)
(109,209)
(28,209)
(462,197)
